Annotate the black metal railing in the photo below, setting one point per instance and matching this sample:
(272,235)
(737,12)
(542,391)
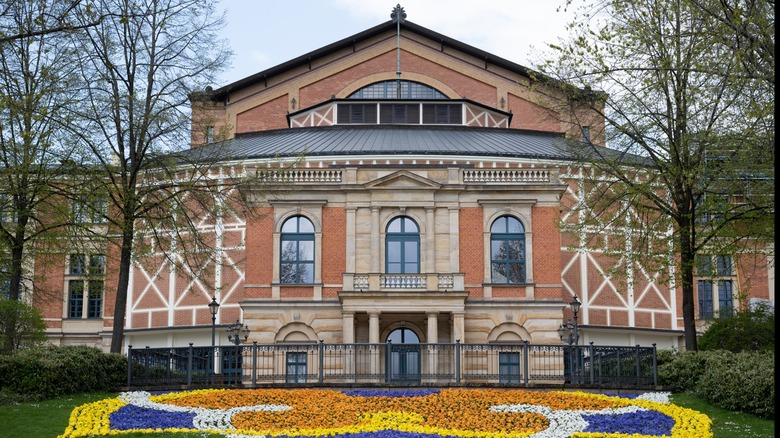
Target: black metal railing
(388,364)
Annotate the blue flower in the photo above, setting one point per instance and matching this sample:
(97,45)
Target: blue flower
(378,434)
(642,422)
(134,417)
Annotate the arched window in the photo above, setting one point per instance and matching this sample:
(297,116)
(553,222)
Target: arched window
(507,251)
(297,251)
(389,90)
(402,249)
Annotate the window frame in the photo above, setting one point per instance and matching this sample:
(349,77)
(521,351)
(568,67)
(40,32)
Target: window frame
(296,263)
(85,286)
(506,236)
(715,285)
(402,237)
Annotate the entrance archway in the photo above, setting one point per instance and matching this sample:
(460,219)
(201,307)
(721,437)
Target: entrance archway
(404,356)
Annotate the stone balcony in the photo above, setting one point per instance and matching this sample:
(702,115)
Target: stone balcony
(432,282)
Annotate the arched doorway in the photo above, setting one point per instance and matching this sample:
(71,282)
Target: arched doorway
(404,356)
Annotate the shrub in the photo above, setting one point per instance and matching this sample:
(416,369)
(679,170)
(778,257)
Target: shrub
(742,382)
(21,326)
(50,371)
(751,330)
(745,382)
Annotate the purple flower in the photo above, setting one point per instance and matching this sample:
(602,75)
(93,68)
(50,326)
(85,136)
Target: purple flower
(134,417)
(392,393)
(641,422)
(379,434)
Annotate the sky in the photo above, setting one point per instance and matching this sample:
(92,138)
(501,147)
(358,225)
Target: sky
(265,33)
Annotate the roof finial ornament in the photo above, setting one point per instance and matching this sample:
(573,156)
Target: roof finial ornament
(398,16)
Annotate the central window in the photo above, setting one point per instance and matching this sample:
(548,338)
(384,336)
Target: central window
(507,251)
(297,251)
(402,246)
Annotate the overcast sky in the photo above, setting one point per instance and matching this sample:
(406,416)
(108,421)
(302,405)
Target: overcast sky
(265,33)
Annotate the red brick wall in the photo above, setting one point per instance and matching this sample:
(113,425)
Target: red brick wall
(547,251)
(472,249)
(334,244)
(259,251)
(271,115)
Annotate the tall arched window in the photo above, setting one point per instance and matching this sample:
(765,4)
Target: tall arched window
(507,251)
(297,251)
(402,249)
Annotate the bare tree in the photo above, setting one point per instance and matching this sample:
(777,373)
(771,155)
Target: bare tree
(53,18)
(36,90)
(689,113)
(143,61)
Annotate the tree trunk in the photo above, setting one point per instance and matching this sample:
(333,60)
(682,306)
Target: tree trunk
(687,259)
(120,306)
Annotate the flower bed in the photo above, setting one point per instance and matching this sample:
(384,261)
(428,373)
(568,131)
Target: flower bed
(385,413)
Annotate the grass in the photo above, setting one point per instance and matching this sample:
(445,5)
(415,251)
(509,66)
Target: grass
(49,418)
(727,424)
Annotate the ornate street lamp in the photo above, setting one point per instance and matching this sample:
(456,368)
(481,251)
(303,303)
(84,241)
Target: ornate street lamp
(213,308)
(237,332)
(570,332)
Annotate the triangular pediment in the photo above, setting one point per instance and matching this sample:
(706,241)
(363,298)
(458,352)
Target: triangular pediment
(403,179)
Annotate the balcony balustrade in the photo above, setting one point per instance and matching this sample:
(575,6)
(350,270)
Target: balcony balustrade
(433,282)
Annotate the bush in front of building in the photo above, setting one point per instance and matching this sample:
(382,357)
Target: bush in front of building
(749,330)
(21,326)
(743,382)
(51,371)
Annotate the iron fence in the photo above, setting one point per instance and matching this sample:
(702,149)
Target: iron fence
(388,364)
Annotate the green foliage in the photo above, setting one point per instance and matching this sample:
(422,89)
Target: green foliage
(743,382)
(752,330)
(21,326)
(50,371)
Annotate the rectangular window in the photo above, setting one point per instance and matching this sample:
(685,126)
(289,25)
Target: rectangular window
(75,298)
(399,113)
(76,264)
(442,114)
(706,310)
(90,210)
(95,302)
(97,264)
(703,265)
(508,367)
(364,113)
(724,265)
(725,299)
(296,367)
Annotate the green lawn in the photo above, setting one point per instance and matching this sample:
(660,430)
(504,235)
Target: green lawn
(49,418)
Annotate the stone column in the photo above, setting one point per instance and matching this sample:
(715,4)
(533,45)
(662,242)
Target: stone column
(373,338)
(458,327)
(373,327)
(430,240)
(454,240)
(348,328)
(433,327)
(375,239)
(433,338)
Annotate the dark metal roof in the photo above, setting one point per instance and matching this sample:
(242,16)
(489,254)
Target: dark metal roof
(389,140)
(350,42)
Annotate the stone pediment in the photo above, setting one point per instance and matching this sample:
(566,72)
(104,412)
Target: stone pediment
(403,180)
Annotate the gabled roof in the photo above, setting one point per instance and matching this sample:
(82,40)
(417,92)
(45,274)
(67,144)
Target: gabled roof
(389,140)
(349,42)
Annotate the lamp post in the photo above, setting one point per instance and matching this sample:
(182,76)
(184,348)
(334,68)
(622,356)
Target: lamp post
(570,334)
(213,308)
(570,331)
(237,332)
